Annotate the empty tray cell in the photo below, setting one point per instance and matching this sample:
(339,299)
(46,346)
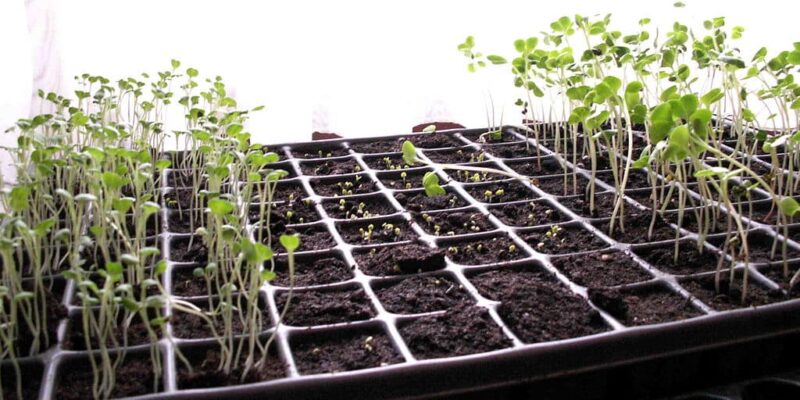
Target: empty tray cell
(339,351)
(323,307)
(500,192)
(483,250)
(386,162)
(312,237)
(514,150)
(457,332)
(284,191)
(403,180)
(729,296)
(601,269)
(582,205)
(461,155)
(491,137)
(564,185)
(376,232)
(286,213)
(317,150)
(134,377)
(188,249)
(563,239)
(539,166)
(358,207)
(527,213)
(762,248)
(378,145)
(537,307)
(448,223)
(312,269)
(476,176)
(648,305)
(339,166)
(421,294)
(343,185)
(434,140)
(205,373)
(398,260)
(636,228)
(418,201)
(689,260)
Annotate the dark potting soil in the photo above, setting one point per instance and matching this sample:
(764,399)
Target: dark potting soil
(637,179)
(136,334)
(206,373)
(422,294)
(760,247)
(776,274)
(344,186)
(434,140)
(643,197)
(185,178)
(538,166)
(382,232)
(185,284)
(563,239)
(320,151)
(420,202)
(284,191)
(343,351)
(309,271)
(561,186)
(314,307)
(566,148)
(537,307)
(456,156)
(689,261)
(181,251)
(501,192)
(403,180)
(602,162)
(183,199)
(601,269)
(31,379)
(730,296)
(55,313)
(330,167)
(133,378)
(190,326)
(358,207)
(288,213)
(453,222)
(389,162)
(717,225)
(397,260)
(532,213)
(378,146)
(645,306)
(490,137)
(483,251)
(476,177)
(637,228)
(152,226)
(181,222)
(581,205)
(513,150)
(458,331)
(312,237)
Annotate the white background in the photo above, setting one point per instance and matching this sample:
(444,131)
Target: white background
(359,68)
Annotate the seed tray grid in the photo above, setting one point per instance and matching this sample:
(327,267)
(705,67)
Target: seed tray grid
(389,322)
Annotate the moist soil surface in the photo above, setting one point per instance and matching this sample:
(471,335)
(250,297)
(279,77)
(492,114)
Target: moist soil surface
(378,146)
(422,294)
(420,202)
(358,207)
(321,151)
(390,162)
(456,156)
(330,167)
(185,284)
(309,271)
(136,334)
(558,186)
(652,305)
(536,307)
(637,229)
(567,239)
(490,137)
(31,382)
(316,307)
(508,191)
(483,251)
(601,269)
(133,378)
(206,374)
(55,313)
(434,140)
(183,199)
(453,223)
(359,184)
(513,150)
(312,237)
(343,352)
(382,232)
(476,177)
(181,222)
(181,251)
(285,191)
(190,326)
(394,180)
(537,166)
(689,260)
(288,213)
(458,331)
(603,205)
(398,260)
(730,296)
(532,213)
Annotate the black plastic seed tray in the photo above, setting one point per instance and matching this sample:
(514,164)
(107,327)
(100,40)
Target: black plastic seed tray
(683,343)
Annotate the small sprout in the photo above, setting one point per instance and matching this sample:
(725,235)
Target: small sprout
(512,248)
(403,176)
(452,250)
(368,343)
(499,192)
(487,195)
